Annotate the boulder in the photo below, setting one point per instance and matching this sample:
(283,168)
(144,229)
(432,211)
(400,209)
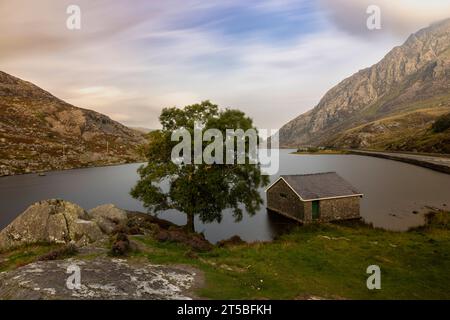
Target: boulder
(195,241)
(51,221)
(108,217)
(233,241)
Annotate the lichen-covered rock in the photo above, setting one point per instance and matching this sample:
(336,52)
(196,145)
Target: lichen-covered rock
(101,278)
(108,217)
(54,221)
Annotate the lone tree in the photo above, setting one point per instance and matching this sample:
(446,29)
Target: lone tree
(198,189)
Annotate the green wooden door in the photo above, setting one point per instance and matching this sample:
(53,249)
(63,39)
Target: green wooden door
(315,210)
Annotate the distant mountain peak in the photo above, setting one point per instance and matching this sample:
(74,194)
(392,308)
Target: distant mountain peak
(409,77)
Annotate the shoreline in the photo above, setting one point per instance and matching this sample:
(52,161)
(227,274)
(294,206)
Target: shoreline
(425,161)
(435,162)
(320,152)
(406,157)
(38,172)
(313,254)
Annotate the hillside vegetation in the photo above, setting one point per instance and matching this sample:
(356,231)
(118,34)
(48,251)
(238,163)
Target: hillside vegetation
(387,105)
(39,132)
(412,131)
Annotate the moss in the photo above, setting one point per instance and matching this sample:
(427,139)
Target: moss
(25,255)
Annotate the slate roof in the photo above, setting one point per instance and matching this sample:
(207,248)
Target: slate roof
(319,186)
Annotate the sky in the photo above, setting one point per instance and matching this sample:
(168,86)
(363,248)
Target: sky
(273,59)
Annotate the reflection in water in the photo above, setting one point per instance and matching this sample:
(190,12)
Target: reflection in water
(392,191)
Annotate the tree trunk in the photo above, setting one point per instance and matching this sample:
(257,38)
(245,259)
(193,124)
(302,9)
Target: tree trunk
(190,227)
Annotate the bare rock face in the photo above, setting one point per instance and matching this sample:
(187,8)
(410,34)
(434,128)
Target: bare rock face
(108,217)
(412,76)
(51,221)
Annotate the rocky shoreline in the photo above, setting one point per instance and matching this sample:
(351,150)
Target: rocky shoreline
(163,261)
(100,242)
(57,221)
(7,173)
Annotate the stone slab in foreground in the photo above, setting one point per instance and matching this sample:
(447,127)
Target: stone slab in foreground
(101,278)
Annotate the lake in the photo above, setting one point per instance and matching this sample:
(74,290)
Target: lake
(392,190)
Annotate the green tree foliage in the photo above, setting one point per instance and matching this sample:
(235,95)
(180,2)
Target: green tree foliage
(198,189)
(442,123)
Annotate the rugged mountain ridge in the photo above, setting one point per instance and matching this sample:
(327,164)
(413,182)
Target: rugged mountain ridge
(411,77)
(39,132)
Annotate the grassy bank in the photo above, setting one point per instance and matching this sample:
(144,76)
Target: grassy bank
(25,255)
(327,261)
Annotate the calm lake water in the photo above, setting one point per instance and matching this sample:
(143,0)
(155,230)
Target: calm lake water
(392,191)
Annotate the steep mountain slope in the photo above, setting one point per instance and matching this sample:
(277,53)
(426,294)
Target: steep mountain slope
(41,132)
(410,131)
(413,76)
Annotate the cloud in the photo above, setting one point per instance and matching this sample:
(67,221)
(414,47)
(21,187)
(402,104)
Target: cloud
(265,57)
(399,18)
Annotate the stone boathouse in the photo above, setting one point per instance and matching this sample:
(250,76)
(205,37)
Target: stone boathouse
(318,197)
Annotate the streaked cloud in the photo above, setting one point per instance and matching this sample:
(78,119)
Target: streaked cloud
(266,57)
(399,17)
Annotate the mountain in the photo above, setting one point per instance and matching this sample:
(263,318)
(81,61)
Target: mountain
(379,106)
(39,132)
(142,129)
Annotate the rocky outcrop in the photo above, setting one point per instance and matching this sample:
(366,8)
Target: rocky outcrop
(39,132)
(108,217)
(195,241)
(51,221)
(412,76)
(49,275)
(58,221)
(165,231)
(101,278)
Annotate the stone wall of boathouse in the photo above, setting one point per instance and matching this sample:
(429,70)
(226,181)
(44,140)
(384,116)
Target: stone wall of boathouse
(281,199)
(334,209)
